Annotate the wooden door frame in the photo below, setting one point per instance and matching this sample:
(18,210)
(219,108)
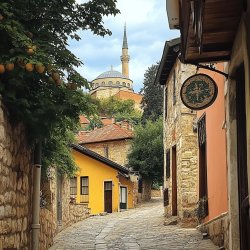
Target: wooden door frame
(243,194)
(111,194)
(174,182)
(124,186)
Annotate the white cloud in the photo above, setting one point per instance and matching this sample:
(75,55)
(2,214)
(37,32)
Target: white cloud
(147,31)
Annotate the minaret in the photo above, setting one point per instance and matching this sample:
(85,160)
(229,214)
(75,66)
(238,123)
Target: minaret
(125,56)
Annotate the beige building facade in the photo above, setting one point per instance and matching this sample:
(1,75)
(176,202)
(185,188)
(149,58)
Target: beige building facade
(181,175)
(112,141)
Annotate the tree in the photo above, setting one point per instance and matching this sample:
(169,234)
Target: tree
(146,155)
(119,109)
(38,80)
(152,101)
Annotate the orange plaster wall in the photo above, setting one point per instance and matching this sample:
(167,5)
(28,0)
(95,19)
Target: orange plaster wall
(216,149)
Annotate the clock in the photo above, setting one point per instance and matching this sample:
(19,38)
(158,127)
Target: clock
(199,92)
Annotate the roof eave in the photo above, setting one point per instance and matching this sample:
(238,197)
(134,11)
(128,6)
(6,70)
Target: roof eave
(169,56)
(108,140)
(100,158)
(214,39)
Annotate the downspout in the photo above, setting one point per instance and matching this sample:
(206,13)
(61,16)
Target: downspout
(35,226)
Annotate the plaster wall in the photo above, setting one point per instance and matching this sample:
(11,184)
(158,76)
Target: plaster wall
(99,172)
(216,149)
(240,54)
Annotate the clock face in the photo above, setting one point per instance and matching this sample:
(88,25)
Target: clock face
(199,92)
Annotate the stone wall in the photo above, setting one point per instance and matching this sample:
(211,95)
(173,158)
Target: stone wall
(217,230)
(146,190)
(15,185)
(102,93)
(179,133)
(156,193)
(117,150)
(71,212)
(48,228)
(16,190)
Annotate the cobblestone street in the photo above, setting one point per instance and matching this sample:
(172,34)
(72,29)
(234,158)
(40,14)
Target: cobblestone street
(140,228)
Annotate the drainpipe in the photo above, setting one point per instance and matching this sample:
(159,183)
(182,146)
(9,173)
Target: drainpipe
(36,197)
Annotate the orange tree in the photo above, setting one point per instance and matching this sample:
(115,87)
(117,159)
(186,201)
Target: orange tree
(38,81)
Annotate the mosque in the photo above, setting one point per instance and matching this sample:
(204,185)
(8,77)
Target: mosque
(114,83)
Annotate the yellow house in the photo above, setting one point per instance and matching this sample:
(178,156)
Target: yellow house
(101,184)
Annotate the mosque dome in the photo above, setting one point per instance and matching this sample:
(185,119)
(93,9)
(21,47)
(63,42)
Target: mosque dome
(111,74)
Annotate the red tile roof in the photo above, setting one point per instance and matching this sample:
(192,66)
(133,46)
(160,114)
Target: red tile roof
(107,121)
(84,119)
(125,95)
(107,133)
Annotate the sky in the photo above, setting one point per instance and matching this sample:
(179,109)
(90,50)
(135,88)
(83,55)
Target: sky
(147,30)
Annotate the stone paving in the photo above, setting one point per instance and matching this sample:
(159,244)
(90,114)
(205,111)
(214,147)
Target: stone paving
(135,229)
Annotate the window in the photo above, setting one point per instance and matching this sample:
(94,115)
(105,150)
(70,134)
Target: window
(110,83)
(174,88)
(108,185)
(117,83)
(168,163)
(124,84)
(203,203)
(73,186)
(103,83)
(84,189)
(202,157)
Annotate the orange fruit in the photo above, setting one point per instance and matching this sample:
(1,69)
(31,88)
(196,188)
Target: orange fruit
(29,67)
(40,68)
(30,51)
(55,76)
(59,82)
(9,66)
(2,69)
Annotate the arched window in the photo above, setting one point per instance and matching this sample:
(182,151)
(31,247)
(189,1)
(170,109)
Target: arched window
(110,82)
(124,84)
(128,85)
(103,83)
(117,83)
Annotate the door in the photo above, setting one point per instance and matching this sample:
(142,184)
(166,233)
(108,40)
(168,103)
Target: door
(59,199)
(244,218)
(174,182)
(123,197)
(108,196)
